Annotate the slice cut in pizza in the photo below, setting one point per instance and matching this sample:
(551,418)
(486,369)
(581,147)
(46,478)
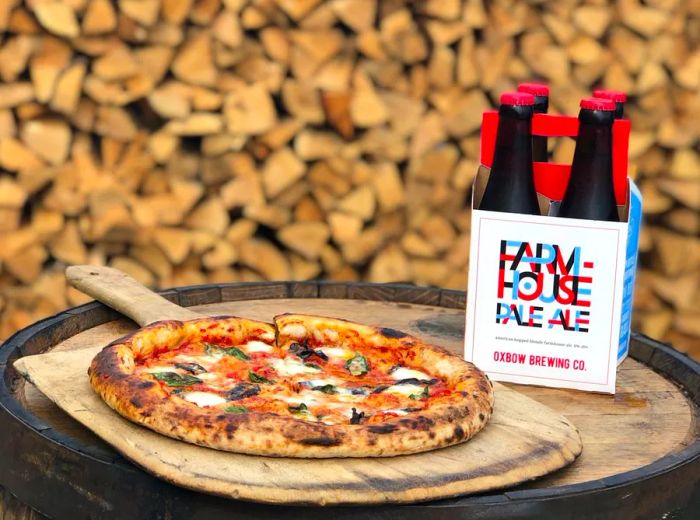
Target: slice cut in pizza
(307,386)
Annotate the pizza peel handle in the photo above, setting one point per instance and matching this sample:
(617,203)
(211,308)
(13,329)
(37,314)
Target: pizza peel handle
(124,294)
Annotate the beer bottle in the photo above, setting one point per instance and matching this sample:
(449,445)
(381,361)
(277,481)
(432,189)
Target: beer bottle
(511,187)
(541,93)
(590,193)
(617,96)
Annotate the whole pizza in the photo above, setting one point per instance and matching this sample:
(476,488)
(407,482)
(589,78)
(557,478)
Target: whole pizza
(307,386)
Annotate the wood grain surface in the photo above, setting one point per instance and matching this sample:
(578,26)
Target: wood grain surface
(646,406)
(524,439)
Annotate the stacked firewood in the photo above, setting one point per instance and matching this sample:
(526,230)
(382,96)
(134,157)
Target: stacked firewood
(186,141)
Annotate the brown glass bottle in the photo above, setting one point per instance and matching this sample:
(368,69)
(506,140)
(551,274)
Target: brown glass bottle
(541,93)
(511,187)
(590,193)
(617,96)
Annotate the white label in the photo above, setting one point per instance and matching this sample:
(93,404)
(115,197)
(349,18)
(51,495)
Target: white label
(544,299)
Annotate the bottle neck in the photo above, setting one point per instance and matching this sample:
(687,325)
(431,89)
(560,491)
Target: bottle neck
(511,187)
(539,142)
(590,192)
(541,104)
(513,152)
(619,109)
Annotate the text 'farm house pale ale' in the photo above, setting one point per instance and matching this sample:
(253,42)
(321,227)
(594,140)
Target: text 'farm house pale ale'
(511,187)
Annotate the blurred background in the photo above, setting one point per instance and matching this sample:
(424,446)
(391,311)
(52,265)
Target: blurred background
(193,141)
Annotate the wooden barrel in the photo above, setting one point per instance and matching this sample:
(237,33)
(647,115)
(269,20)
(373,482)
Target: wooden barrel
(641,456)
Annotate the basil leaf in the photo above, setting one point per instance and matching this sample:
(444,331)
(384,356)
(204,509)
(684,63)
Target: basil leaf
(175,379)
(357,366)
(326,389)
(356,417)
(312,365)
(235,409)
(241,391)
(302,408)
(192,368)
(303,351)
(237,353)
(255,378)
(210,349)
(230,351)
(423,395)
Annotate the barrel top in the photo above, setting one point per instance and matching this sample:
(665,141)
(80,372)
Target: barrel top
(648,424)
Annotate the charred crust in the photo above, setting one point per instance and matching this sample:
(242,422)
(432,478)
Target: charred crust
(482,417)
(136,402)
(108,365)
(419,423)
(144,385)
(392,333)
(382,428)
(320,441)
(459,433)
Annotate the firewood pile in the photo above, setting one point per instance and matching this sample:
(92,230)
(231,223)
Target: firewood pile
(193,141)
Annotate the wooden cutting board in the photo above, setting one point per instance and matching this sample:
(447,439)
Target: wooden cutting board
(523,440)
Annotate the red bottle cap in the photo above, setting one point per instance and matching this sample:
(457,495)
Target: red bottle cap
(616,95)
(598,104)
(536,89)
(517,98)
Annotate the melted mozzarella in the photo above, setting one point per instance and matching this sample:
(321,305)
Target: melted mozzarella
(296,400)
(294,330)
(268,336)
(408,373)
(205,360)
(331,334)
(397,411)
(203,398)
(406,390)
(257,346)
(337,352)
(292,367)
(161,368)
(322,382)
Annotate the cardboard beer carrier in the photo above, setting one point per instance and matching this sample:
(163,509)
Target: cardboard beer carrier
(550,299)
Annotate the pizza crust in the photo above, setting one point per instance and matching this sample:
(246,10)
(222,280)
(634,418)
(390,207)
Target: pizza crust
(142,400)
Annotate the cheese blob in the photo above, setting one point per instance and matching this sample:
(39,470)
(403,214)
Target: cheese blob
(409,373)
(397,411)
(204,360)
(406,390)
(161,368)
(337,352)
(203,398)
(294,330)
(257,346)
(292,367)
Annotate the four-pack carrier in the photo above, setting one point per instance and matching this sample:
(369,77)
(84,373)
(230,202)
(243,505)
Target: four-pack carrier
(550,299)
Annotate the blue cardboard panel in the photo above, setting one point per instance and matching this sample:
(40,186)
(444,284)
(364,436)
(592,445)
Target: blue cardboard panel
(635,224)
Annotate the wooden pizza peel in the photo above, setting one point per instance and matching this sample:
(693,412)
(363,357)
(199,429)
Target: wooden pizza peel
(523,440)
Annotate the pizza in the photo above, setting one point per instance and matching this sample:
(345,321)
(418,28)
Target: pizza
(307,386)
